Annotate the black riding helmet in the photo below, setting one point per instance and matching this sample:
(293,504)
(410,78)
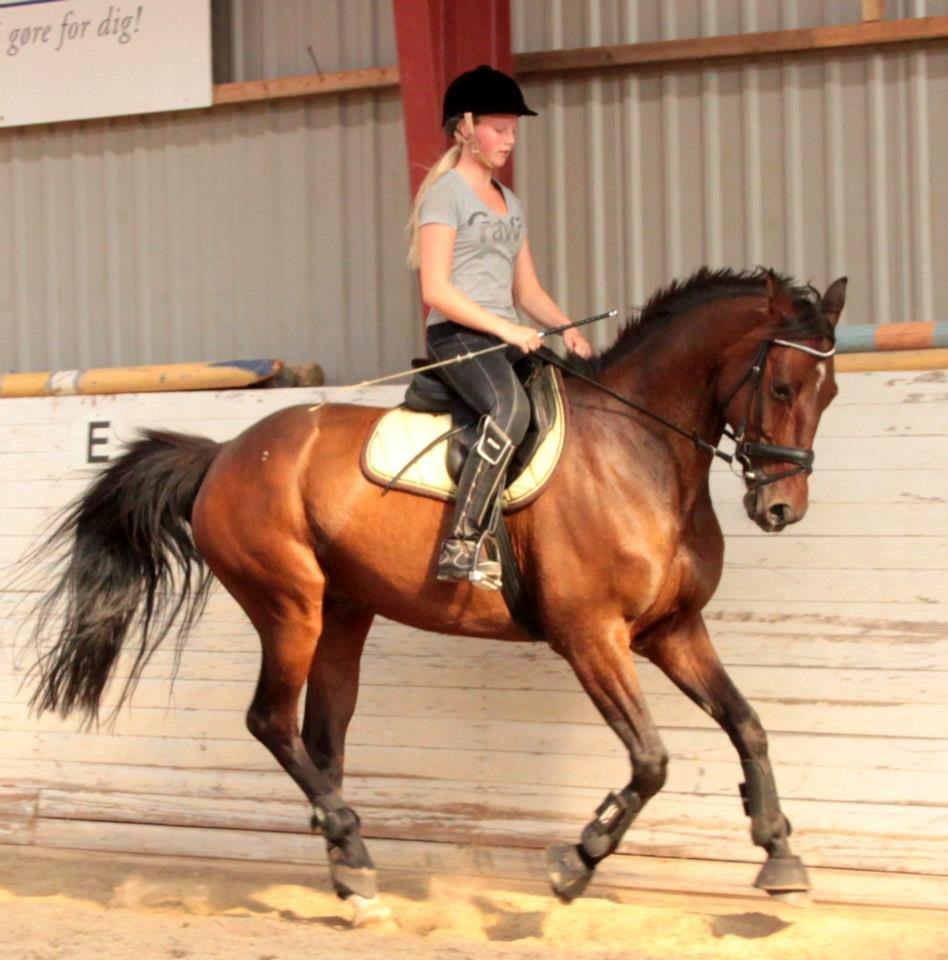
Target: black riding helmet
(482,91)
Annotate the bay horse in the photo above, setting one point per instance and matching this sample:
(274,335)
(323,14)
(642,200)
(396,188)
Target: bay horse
(619,554)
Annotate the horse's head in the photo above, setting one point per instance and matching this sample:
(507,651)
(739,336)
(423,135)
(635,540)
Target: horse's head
(785,379)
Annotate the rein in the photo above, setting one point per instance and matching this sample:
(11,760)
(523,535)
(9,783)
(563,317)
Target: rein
(744,450)
(460,358)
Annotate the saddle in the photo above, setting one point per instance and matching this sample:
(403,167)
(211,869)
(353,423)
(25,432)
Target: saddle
(422,445)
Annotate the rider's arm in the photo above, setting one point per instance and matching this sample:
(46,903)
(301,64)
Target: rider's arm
(436,249)
(530,296)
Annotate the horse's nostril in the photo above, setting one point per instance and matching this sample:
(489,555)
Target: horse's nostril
(780,513)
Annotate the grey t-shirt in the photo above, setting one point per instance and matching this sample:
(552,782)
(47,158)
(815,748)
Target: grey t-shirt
(486,244)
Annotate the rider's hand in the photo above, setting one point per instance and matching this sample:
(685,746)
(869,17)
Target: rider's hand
(526,338)
(577,343)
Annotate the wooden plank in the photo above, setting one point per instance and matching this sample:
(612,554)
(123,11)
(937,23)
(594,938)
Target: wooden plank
(836,487)
(252,792)
(791,551)
(883,417)
(902,387)
(622,871)
(128,409)
(535,667)
(742,635)
(18,808)
(700,775)
(854,827)
(666,53)
(838,453)
(670,710)
(898,772)
(306,85)
(830,634)
(671,826)
(225,619)
(919,519)
(885,586)
(17,801)
(552,737)
(882,420)
(873,32)
(16,831)
(25,509)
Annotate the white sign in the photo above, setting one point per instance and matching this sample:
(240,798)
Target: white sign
(73,59)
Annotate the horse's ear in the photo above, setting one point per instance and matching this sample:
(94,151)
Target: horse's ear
(779,305)
(834,300)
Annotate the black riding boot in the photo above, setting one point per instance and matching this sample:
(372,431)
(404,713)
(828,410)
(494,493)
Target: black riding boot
(470,553)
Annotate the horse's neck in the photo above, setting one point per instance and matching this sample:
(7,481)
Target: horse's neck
(671,373)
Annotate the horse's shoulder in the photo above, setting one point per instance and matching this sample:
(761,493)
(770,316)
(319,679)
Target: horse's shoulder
(700,555)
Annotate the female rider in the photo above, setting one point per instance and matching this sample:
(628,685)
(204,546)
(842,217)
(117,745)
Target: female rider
(468,240)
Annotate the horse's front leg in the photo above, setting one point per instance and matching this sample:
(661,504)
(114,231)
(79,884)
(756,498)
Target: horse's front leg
(602,660)
(683,650)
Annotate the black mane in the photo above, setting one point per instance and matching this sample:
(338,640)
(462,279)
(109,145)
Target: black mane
(705,285)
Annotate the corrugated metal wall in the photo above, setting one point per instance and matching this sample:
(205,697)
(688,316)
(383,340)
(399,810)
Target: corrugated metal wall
(820,165)
(262,230)
(276,229)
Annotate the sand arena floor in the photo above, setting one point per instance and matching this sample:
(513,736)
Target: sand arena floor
(59,905)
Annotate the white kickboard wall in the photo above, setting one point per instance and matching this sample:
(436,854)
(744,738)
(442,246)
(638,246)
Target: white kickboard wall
(460,758)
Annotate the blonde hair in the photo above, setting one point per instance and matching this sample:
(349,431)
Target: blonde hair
(448,161)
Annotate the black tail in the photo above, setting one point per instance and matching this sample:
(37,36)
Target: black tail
(126,563)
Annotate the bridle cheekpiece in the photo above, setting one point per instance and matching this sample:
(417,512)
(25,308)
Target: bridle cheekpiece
(746,451)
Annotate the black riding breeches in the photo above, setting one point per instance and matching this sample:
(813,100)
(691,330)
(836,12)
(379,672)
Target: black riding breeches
(489,385)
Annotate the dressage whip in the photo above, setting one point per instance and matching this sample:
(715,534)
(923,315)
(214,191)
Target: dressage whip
(460,358)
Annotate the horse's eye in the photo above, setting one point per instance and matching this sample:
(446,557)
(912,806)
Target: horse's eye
(782,391)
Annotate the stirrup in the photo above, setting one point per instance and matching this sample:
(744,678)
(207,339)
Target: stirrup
(462,559)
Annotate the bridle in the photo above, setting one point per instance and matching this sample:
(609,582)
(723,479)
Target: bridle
(745,451)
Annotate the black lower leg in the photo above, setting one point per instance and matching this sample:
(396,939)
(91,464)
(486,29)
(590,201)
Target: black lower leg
(351,866)
(782,872)
(571,865)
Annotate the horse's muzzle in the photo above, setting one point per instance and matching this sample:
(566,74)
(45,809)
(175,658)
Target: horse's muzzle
(770,516)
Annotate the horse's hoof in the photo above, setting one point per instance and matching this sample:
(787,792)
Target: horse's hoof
(370,911)
(569,875)
(793,898)
(352,882)
(783,875)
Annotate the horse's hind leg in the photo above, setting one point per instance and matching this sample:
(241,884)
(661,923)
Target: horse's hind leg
(284,599)
(684,653)
(603,663)
(333,685)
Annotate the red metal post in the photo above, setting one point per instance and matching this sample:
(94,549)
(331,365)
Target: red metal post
(438,39)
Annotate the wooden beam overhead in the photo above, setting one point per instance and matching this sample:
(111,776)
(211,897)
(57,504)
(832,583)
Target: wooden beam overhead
(667,53)
(306,85)
(661,54)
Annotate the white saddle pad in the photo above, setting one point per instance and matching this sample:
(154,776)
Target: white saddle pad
(401,433)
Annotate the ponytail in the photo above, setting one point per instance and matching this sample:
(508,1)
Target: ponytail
(448,160)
